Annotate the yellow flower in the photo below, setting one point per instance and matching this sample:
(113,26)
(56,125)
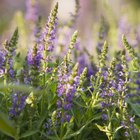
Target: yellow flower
(30,99)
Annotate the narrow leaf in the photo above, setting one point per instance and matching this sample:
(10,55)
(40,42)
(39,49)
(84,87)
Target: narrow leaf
(29,133)
(79,131)
(6,126)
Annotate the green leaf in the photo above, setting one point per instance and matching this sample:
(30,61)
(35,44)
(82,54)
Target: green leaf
(6,126)
(51,103)
(23,88)
(53,87)
(49,137)
(79,131)
(80,104)
(42,118)
(137,122)
(29,133)
(116,135)
(75,134)
(136,109)
(102,128)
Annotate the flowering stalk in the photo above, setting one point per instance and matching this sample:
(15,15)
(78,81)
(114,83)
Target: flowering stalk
(10,48)
(76,12)
(66,90)
(18,104)
(108,94)
(122,104)
(103,31)
(67,58)
(67,83)
(32,10)
(133,55)
(37,31)
(103,56)
(34,62)
(96,83)
(122,85)
(2,65)
(82,79)
(48,37)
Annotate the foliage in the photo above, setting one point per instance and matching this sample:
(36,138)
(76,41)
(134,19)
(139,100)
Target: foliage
(44,96)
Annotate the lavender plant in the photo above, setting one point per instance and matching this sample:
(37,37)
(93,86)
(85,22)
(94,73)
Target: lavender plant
(48,97)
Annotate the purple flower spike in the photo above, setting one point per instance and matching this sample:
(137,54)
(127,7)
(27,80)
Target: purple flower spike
(30,57)
(126,134)
(1,72)
(67,106)
(104,117)
(132,119)
(18,104)
(32,10)
(67,117)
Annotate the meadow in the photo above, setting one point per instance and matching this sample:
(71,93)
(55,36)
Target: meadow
(53,87)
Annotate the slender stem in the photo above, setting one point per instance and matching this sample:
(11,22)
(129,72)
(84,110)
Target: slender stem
(17,131)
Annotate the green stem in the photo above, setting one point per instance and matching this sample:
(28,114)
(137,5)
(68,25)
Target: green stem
(17,131)
(42,103)
(109,134)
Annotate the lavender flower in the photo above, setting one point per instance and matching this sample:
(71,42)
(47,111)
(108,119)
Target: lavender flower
(128,125)
(126,134)
(48,35)
(66,89)
(67,117)
(2,58)
(10,51)
(48,126)
(32,10)
(24,75)
(2,63)
(11,70)
(34,59)
(104,117)
(30,57)
(132,120)
(37,31)
(107,89)
(18,104)
(138,85)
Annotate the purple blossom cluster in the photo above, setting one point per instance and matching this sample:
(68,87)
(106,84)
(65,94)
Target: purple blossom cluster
(48,35)
(113,88)
(18,104)
(2,63)
(32,10)
(11,69)
(128,125)
(34,57)
(66,89)
(7,61)
(138,84)
(107,94)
